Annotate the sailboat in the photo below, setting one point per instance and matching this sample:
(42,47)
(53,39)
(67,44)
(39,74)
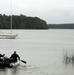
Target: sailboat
(9,35)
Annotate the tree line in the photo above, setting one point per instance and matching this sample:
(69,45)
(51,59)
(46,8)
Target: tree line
(61,26)
(22,22)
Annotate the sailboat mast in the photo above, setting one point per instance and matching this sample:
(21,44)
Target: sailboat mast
(11,19)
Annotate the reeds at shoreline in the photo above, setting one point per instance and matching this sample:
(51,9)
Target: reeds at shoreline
(68,58)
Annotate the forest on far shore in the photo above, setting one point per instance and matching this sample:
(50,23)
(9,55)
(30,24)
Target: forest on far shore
(22,22)
(61,26)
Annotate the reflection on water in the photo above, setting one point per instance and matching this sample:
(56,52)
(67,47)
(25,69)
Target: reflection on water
(3,71)
(21,70)
(13,71)
(69,60)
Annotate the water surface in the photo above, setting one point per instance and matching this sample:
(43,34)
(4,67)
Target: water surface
(42,49)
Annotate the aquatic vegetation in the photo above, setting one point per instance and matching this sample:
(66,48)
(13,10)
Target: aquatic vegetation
(68,59)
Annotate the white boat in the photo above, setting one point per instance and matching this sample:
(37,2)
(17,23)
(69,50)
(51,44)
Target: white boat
(14,64)
(9,35)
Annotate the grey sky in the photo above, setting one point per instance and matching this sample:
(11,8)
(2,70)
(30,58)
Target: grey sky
(52,11)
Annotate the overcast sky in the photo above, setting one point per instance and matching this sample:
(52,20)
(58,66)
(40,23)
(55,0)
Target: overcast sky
(52,11)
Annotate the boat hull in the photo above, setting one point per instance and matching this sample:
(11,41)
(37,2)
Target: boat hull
(8,36)
(14,64)
(9,65)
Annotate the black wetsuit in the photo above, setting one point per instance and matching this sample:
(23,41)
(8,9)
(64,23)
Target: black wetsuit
(14,57)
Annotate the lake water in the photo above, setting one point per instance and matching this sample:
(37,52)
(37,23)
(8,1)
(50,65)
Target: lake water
(42,49)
